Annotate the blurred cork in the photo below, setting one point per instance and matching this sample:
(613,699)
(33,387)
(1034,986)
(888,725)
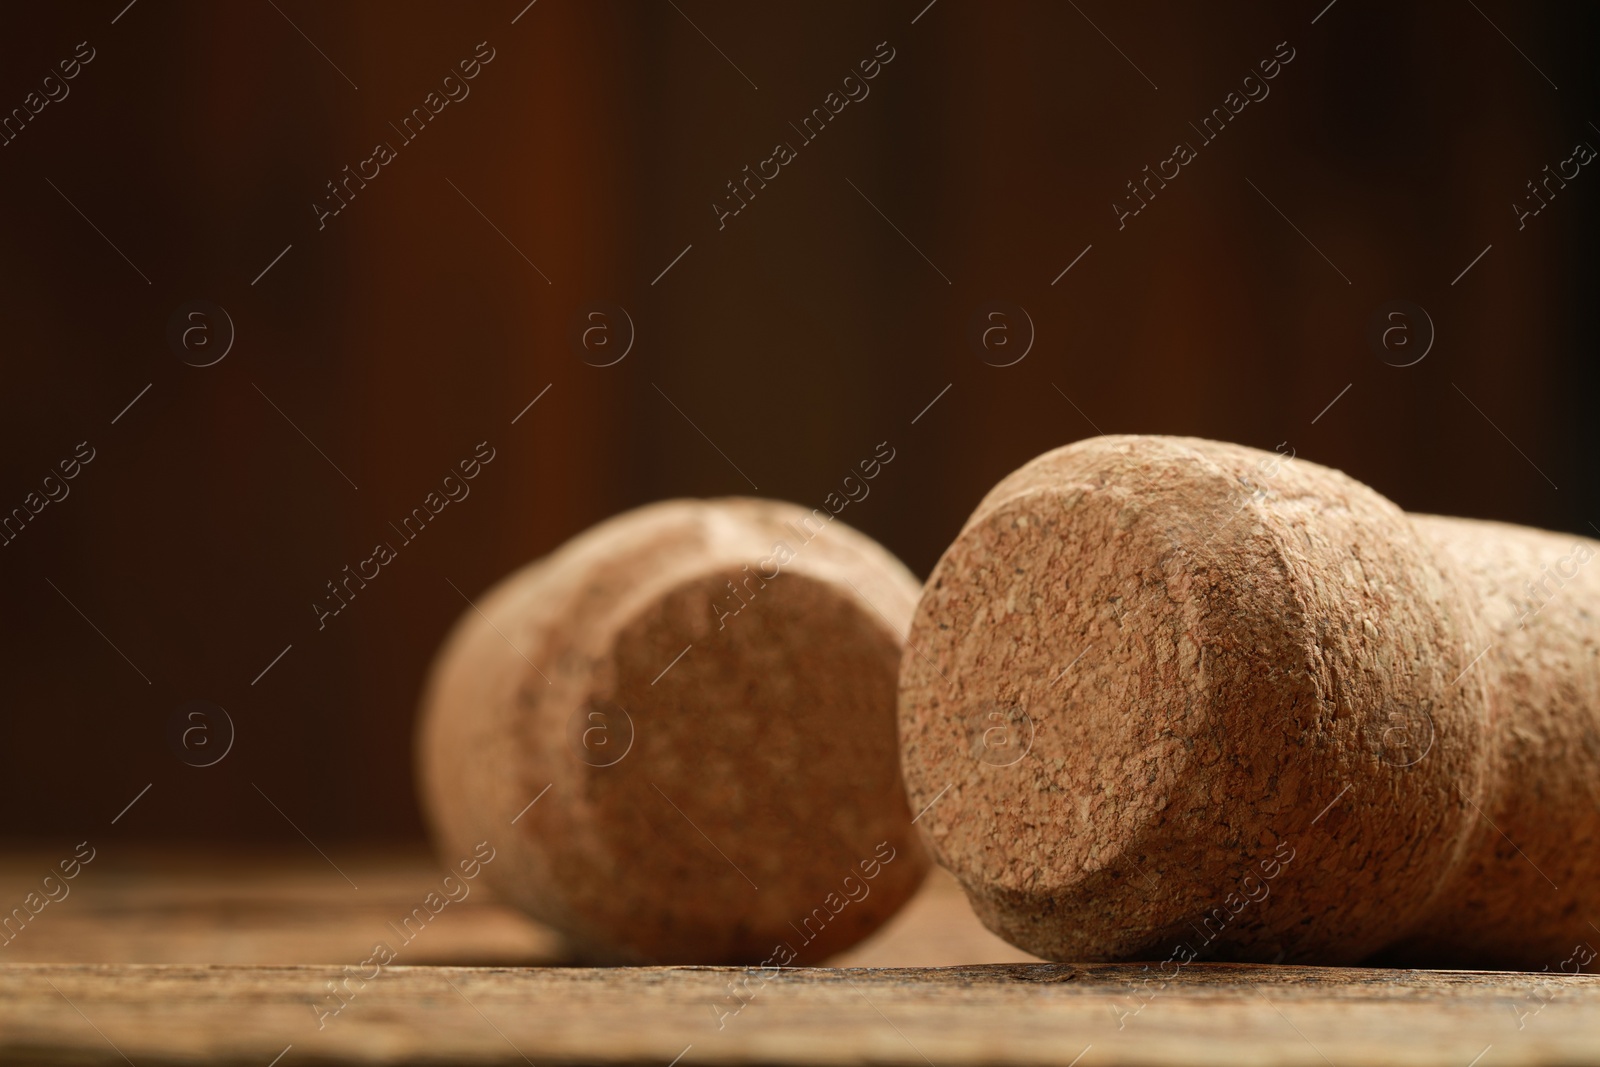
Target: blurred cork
(678,730)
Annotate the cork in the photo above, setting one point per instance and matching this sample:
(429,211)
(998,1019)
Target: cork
(1178,699)
(677,732)
(1529,894)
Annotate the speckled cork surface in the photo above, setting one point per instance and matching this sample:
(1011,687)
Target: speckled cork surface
(1186,700)
(1529,895)
(700,695)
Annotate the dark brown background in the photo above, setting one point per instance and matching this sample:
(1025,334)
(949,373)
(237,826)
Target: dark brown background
(797,338)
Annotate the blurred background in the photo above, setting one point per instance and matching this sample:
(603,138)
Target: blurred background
(192,164)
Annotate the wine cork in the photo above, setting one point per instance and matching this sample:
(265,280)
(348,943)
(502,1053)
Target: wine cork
(697,700)
(1180,699)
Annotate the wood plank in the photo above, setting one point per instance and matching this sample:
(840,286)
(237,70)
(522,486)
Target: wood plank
(124,959)
(142,904)
(998,1014)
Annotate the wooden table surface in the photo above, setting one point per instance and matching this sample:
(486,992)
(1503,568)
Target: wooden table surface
(209,956)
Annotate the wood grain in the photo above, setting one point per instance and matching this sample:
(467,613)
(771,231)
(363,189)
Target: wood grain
(269,906)
(163,956)
(997,1014)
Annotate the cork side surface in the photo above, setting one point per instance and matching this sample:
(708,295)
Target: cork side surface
(1531,890)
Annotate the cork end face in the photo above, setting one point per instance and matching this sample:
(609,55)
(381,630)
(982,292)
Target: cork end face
(1147,667)
(712,716)
(761,804)
(1066,729)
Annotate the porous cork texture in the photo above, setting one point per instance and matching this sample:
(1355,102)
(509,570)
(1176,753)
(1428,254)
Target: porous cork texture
(1267,716)
(1530,891)
(707,689)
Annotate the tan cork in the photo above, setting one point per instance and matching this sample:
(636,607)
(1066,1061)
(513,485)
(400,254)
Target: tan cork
(1180,699)
(700,695)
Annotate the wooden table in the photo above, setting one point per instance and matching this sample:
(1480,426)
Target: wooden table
(205,956)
